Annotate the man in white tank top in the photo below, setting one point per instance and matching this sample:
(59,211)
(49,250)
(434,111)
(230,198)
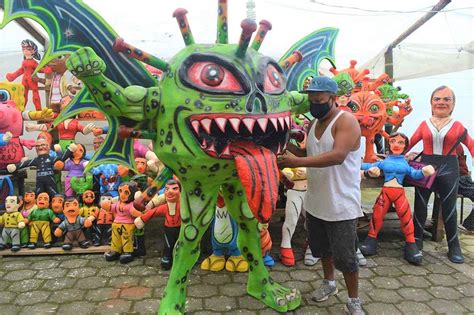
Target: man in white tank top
(332,202)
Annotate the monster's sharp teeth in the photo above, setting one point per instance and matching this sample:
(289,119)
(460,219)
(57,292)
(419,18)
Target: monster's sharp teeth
(249,123)
(203,144)
(282,122)
(275,123)
(226,150)
(212,148)
(287,121)
(206,124)
(235,122)
(263,122)
(221,123)
(195,124)
(279,149)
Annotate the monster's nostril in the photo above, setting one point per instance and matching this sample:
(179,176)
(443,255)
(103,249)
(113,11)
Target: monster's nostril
(256,105)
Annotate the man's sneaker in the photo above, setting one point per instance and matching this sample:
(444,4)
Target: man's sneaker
(309,259)
(361,260)
(354,307)
(324,291)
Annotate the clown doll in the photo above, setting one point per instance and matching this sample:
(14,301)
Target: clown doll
(102,229)
(28,67)
(122,227)
(12,222)
(394,168)
(88,210)
(39,221)
(171,212)
(72,225)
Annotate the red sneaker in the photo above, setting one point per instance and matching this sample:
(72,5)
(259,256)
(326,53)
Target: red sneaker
(287,257)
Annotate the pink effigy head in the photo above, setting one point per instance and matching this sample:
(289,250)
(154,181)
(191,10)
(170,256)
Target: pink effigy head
(10,119)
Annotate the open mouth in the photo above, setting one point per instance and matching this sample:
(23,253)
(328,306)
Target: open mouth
(368,122)
(217,132)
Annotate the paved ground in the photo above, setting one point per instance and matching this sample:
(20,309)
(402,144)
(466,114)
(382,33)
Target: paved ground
(88,284)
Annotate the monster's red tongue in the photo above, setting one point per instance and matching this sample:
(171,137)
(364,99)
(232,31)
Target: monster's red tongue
(258,172)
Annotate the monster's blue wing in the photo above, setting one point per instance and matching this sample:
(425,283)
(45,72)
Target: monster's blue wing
(72,25)
(315,47)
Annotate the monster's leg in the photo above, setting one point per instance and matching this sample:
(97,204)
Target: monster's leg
(260,285)
(195,222)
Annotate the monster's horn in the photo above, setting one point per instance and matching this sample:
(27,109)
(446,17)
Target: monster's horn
(248,27)
(222,31)
(131,52)
(180,15)
(265,26)
(295,57)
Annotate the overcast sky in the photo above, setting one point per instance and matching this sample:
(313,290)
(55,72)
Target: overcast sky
(148,24)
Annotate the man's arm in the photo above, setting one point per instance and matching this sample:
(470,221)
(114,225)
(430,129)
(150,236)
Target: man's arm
(347,135)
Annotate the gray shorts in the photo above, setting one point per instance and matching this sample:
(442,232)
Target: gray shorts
(334,239)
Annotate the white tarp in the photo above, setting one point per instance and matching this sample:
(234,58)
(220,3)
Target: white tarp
(412,61)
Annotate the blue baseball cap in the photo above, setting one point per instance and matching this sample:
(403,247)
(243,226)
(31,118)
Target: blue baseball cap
(321,84)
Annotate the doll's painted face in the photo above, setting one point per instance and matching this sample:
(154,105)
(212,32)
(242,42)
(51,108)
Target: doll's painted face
(29,198)
(97,142)
(42,147)
(58,65)
(42,201)
(45,136)
(28,52)
(12,204)
(57,204)
(397,145)
(172,192)
(88,197)
(71,208)
(79,153)
(442,103)
(105,199)
(124,193)
(141,165)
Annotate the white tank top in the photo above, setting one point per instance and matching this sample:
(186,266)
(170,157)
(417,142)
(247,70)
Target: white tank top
(333,192)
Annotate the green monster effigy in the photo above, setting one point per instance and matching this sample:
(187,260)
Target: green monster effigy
(218,117)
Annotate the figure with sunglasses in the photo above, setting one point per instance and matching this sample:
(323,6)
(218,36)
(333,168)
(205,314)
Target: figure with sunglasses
(45,165)
(394,168)
(440,134)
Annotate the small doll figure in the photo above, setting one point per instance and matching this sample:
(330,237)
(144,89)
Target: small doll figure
(45,166)
(75,166)
(12,222)
(88,210)
(122,227)
(394,168)
(171,212)
(102,229)
(72,225)
(224,243)
(39,221)
(57,204)
(28,67)
(5,138)
(29,204)
(266,244)
(109,180)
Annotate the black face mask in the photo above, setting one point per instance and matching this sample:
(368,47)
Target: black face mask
(319,110)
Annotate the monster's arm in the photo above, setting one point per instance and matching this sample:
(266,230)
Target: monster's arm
(299,102)
(111,97)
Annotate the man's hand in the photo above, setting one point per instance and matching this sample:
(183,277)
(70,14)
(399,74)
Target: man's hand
(287,160)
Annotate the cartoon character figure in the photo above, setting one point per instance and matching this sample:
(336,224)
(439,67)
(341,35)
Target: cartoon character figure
(171,212)
(45,166)
(28,67)
(39,220)
(109,180)
(12,222)
(224,243)
(12,121)
(102,229)
(394,168)
(75,166)
(72,225)
(28,205)
(88,210)
(57,205)
(5,138)
(123,226)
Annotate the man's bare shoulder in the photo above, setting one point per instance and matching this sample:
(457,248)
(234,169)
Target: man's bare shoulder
(348,120)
